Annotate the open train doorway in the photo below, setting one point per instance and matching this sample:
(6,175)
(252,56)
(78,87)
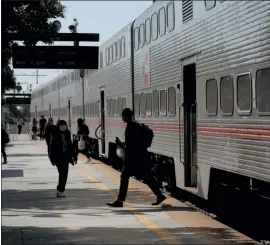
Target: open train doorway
(190,124)
(102,121)
(69,114)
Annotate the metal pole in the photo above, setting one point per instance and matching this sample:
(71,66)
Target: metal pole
(58,99)
(76,43)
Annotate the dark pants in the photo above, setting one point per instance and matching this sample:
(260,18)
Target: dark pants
(3,150)
(63,175)
(42,131)
(130,168)
(19,129)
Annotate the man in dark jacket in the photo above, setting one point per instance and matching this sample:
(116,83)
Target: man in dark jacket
(50,129)
(136,161)
(4,141)
(42,126)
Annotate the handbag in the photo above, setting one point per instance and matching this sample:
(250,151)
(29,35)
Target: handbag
(120,152)
(81,144)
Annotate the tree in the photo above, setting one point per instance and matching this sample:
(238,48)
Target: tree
(26,17)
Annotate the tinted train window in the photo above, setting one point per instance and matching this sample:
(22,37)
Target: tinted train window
(147,31)
(148,104)
(209,4)
(110,55)
(163,102)
(244,92)
(119,109)
(170,16)
(124,104)
(142,34)
(111,107)
(115,55)
(136,38)
(142,105)
(123,47)
(263,90)
(115,108)
(154,27)
(172,101)
(137,105)
(226,95)
(211,97)
(155,103)
(162,22)
(119,51)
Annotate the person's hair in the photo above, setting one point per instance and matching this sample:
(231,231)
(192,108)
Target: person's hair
(50,119)
(62,122)
(80,120)
(128,113)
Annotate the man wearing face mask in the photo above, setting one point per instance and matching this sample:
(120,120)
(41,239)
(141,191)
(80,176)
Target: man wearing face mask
(61,154)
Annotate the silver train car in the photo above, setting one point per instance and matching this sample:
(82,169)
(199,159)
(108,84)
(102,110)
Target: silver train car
(196,72)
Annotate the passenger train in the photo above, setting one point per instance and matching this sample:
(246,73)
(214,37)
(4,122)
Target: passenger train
(196,72)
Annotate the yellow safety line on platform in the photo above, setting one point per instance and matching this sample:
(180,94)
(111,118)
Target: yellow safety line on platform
(140,217)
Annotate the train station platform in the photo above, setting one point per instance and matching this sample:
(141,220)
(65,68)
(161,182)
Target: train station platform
(32,214)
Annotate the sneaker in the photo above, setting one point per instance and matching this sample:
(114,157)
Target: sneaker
(116,204)
(60,194)
(160,199)
(88,160)
(5,162)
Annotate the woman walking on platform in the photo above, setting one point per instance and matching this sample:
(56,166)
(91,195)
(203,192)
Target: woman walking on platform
(61,153)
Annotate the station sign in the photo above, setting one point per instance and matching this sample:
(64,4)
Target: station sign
(56,57)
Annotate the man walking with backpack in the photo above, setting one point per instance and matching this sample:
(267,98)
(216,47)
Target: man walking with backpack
(138,138)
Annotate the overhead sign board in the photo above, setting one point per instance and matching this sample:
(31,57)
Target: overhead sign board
(56,57)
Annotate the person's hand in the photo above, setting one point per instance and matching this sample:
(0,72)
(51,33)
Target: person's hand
(117,141)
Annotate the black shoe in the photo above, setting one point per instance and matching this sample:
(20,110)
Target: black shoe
(116,204)
(160,199)
(60,194)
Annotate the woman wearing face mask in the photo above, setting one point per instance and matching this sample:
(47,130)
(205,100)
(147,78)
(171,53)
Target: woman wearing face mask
(61,153)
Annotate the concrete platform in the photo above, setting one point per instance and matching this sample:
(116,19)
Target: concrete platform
(31,213)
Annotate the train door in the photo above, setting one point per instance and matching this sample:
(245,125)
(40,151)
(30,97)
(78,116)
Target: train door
(69,114)
(36,114)
(190,124)
(102,119)
(50,110)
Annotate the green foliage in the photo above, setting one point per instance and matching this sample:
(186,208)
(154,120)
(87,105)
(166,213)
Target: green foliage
(27,17)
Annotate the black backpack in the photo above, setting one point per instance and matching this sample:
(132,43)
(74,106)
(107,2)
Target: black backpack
(146,135)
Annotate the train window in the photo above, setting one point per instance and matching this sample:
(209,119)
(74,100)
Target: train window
(111,54)
(88,109)
(170,16)
(124,104)
(244,93)
(142,105)
(155,103)
(91,109)
(115,54)
(149,104)
(142,35)
(154,26)
(209,4)
(226,95)
(136,38)
(119,106)
(137,105)
(115,108)
(211,97)
(162,22)
(123,47)
(110,107)
(147,31)
(163,102)
(263,91)
(172,101)
(119,51)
